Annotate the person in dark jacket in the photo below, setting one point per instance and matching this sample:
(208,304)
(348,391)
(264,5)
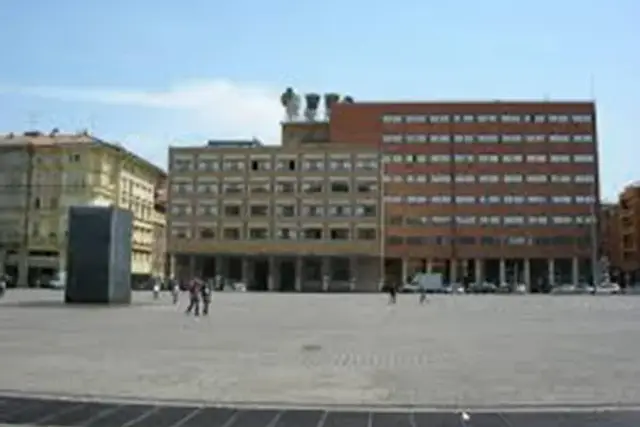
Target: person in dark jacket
(194,289)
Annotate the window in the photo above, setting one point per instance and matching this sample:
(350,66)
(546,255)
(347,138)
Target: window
(258,210)
(486,179)
(181,232)
(559,138)
(535,138)
(487,118)
(561,199)
(312,187)
(582,138)
(439,138)
(582,179)
(561,220)
(440,219)
(366,187)
(287,234)
(367,165)
(466,139)
(416,138)
(465,220)
(258,233)
(313,210)
(558,118)
(339,234)
(313,165)
(536,158)
(259,188)
(391,118)
(513,199)
(439,118)
(513,178)
(207,187)
(340,165)
(340,210)
(537,199)
(207,209)
(440,158)
(366,234)
(581,118)
(513,220)
(464,158)
(286,165)
(208,165)
(441,199)
(182,165)
(537,220)
(392,139)
(488,158)
(233,165)
(232,188)
(366,210)
(537,178)
(416,119)
(312,234)
(286,211)
(512,158)
(339,187)
(231,234)
(285,187)
(465,178)
(510,118)
(488,138)
(510,139)
(207,233)
(583,158)
(564,179)
(439,179)
(232,210)
(465,199)
(560,158)
(178,209)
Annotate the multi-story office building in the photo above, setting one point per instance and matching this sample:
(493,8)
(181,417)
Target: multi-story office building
(300,216)
(48,173)
(498,191)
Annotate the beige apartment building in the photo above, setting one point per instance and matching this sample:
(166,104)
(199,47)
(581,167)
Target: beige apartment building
(303,216)
(43,174)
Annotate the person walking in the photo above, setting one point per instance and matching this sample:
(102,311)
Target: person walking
(194,297)
(205,292)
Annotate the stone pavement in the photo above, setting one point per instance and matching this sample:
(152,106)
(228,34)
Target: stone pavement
(340,351)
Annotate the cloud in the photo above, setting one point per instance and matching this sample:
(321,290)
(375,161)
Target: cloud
(219,108)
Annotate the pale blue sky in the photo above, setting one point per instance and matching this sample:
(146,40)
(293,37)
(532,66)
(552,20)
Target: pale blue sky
(157,72)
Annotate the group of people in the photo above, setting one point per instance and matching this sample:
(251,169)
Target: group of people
(199,294)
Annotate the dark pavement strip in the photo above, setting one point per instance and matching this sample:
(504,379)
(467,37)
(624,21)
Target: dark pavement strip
(69,413)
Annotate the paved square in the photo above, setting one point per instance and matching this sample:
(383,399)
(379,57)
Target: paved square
(456,351)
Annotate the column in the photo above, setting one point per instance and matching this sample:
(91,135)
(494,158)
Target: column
(527,274)
(220,270)
(172,266)
(453,271)
(245,271)
(326,273)
(192,266)
(575,271)
(552,271)
(271,283)
(354,273)
(503,271)
(299,273)
(405,271)
(429,266)
(478,270)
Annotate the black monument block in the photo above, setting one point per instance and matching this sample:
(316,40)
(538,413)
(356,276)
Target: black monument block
(99,255)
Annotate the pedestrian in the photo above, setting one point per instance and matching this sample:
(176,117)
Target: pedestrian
(194,298)
(174,287)
(392,293)
(205,291)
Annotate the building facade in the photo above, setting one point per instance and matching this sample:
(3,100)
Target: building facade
(628,210)
(497,191)
(610,239)
(74,169)
(300,216)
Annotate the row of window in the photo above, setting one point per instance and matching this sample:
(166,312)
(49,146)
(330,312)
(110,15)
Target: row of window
(488,158)
(508,199)
(314,162)
(514,178)
(488,240)
(516,138)
(209,209)
(284,187)
(487,118)
(492,220)
(265,233)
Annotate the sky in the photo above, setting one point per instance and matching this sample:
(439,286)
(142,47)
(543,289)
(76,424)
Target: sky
(154,73)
